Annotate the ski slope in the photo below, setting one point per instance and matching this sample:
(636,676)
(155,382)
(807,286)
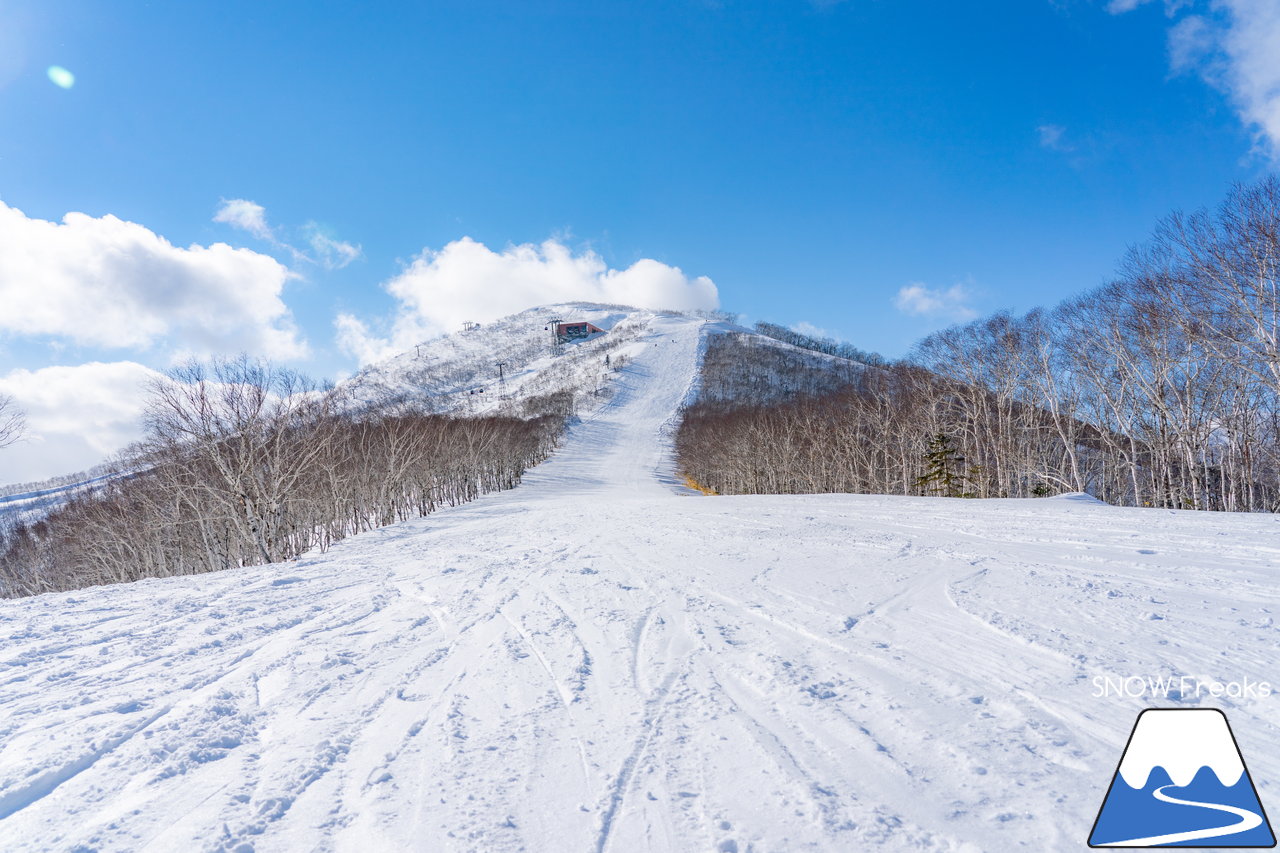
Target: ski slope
(596,661)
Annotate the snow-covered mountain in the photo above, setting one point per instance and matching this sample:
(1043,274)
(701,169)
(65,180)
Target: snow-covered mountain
(497,367)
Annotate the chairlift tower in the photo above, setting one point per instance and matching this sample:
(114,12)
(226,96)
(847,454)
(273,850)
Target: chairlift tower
(557,345)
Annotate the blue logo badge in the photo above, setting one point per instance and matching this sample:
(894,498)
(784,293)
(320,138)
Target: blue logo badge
(1181,783)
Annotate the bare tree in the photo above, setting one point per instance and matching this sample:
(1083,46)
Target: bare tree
(13,422)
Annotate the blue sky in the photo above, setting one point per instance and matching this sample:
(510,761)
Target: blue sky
(874,168)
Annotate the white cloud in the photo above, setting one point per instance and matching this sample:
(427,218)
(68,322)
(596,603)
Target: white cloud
(1233,45)
(1251,43)
(1192,42)
(329,252)
(1051,137)
(1171,7)
(110,283)
(468,281)
(804,327)
(354,338)
(247,216)
(326,250)
(951,304)
(76,417)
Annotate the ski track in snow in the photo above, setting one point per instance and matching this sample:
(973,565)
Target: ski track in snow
(600,661)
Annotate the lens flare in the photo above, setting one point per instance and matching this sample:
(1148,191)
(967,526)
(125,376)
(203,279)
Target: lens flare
(61,77)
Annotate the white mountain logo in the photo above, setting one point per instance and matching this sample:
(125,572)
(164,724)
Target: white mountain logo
(1181,783)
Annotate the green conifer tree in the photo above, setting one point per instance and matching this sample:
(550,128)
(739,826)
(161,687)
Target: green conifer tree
(944,469)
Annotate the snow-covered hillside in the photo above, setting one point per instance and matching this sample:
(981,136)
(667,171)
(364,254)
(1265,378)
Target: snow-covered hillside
(28,504)
(598,661)
(497,366)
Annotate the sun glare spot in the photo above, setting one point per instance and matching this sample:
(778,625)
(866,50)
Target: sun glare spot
(61,77)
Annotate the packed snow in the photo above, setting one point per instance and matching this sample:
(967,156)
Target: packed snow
(600,660)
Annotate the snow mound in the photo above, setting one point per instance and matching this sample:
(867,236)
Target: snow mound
(1077,497)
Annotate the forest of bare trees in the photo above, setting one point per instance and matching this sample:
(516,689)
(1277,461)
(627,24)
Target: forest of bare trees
(246,463)
(739,366)
(1161,388)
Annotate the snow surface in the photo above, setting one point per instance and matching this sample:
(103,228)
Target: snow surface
(598,662)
